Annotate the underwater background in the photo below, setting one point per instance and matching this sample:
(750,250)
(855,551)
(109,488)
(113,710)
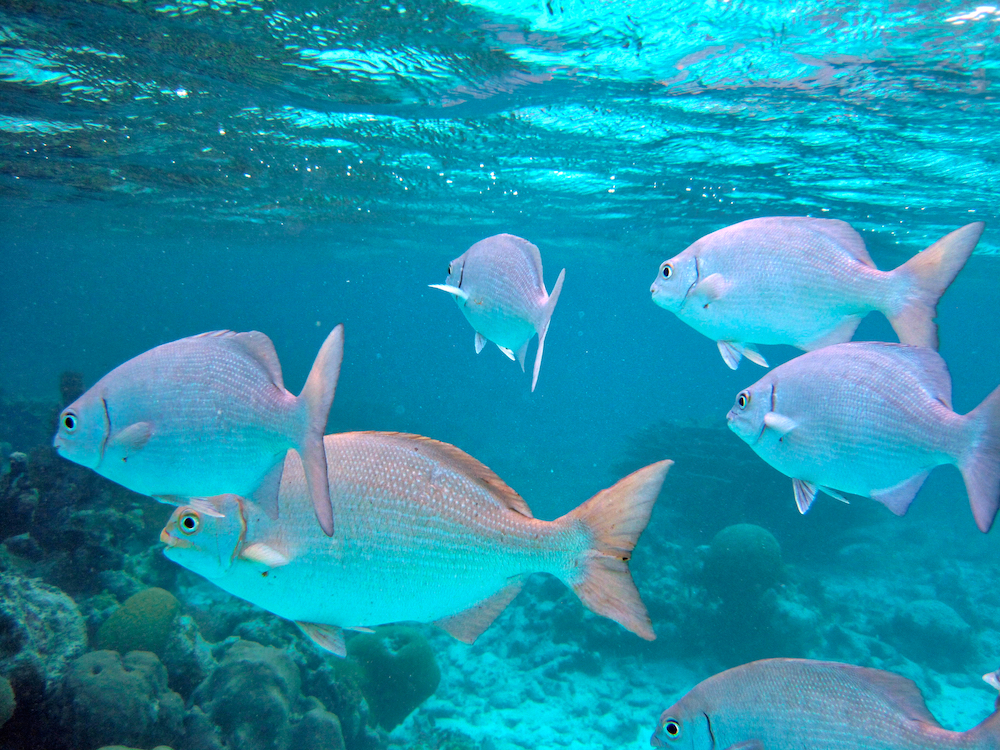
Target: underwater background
(173,168)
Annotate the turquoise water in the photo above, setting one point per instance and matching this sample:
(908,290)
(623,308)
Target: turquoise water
(173,168)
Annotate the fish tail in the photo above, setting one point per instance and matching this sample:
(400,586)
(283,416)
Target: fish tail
(543,327)
(986,736)
(615,518)
(980,462)
(925,277)
(317,397)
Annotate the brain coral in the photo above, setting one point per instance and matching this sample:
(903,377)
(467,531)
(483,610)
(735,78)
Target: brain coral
(743,562)
(142,623)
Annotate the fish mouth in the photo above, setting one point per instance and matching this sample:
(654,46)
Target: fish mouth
(172,541)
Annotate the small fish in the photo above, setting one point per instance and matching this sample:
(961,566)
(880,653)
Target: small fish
(499,287)
(799,704)
(871,419)
(424,533)
(805,282)
(206,415)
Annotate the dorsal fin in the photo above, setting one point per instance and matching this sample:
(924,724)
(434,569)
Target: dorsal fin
(257,346)
(470,623)
(529,251)
(844,235)
(463,462)
(891,687)
(928,367)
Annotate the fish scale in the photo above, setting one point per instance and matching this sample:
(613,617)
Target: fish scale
(424,532)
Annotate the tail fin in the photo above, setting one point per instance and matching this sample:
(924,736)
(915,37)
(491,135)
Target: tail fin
(986,736)
(543,328)
(616,517)
(980,464)
(926,276)
(317,395)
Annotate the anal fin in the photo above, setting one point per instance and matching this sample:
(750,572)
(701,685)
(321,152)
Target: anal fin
(266,494)
(327,637)
(898,497)
(480,342)
(469,624)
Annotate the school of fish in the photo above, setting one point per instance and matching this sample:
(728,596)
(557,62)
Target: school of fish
(424,532)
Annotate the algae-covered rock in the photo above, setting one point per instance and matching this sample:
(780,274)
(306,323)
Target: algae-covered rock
(743,562)
(107,699)
(395,669)
(41,629)
(932,632)
(7,702)
(142,623)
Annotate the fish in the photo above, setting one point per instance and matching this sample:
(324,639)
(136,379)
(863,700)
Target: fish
(804,282)
(499,287)
(870,419)
(204,416)
(425,533)
(801,704)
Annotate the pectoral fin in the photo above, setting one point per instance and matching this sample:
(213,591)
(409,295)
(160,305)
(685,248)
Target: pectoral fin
(711,288)
(265,554)
(779,423)
(131,439)
(805,493)
(461,294)
(480,342)
(327,637)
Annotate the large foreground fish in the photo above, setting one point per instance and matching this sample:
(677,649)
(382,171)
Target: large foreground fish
(206,415)
(424,533)
(798,704)
(871,419)
(499,287)
(805,282)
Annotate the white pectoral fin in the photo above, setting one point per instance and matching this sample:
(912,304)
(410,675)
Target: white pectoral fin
(779,423)
(131,439)
(508,352)
(480,342)
(265,554)
(805,493)
(327,637)
(711,289)
(460,293)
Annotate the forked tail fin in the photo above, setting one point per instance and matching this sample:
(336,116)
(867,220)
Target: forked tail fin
(543,327)
(317,396)
(980,463)
(925,276)
(616,517)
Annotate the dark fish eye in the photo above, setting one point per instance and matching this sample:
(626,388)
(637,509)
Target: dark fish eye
(672,727)
(69,421)
(743,399)
(667,270)
(189,523)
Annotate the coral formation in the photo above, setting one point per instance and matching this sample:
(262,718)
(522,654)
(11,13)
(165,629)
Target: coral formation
(935,633)
(395,669)
(143,623)
(743,562)
(109,699)
(7,702)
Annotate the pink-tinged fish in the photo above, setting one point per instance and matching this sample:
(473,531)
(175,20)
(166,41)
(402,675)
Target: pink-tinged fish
(206,415)
(871,419)
(499,287)
(805,282)
(424,533)
(798,704)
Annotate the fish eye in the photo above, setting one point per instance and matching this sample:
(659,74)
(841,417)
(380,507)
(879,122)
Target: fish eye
(743,399)
(69,421)
(667,270)
(189,523)
(672,727)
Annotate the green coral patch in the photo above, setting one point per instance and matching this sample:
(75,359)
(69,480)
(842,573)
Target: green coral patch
(142,623)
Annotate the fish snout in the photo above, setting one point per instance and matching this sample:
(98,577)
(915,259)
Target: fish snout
(656,740)
(173,541)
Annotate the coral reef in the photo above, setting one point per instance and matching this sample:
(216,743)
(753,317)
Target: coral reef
(144,622)
(395,669)
(935,633)
(110,699)
(743,561)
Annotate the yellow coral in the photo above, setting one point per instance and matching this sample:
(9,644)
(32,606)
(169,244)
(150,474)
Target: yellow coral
(142,623)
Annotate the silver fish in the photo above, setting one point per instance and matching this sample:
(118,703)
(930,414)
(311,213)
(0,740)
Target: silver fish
(798,704)
(871,419)
(424,533)
(499,287)
(206,415)
(805,282)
